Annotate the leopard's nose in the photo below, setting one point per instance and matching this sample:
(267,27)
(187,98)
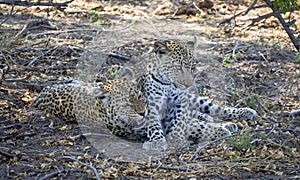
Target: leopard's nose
(189,81)
(187,78)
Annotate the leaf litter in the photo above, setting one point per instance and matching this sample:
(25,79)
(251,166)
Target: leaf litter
(254,68)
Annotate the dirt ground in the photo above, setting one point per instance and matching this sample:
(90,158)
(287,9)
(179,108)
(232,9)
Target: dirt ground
(239,65)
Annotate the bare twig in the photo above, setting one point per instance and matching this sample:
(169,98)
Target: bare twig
(41,68)
(284,24)
(6,154)
(88,134)
(41,55)
(250,7)
(195,5)
(24,135)
(10,13)
(23,84)
(243,12)
(83,164)
(269,133)
(259,18)
(35,24)
(235,48)
(59,32)
(10,126)
(59,6)
(209,143)
(263,56)
(118,56)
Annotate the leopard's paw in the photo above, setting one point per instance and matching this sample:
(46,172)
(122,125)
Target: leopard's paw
(156,145)
(177,140)
(246,113)
(232,127)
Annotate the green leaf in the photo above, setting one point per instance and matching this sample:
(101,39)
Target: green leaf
(298,58)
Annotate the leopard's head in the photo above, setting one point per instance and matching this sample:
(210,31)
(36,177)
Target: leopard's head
(176,60)
(126,102)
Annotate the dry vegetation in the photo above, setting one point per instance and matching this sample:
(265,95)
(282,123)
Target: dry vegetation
(240,65)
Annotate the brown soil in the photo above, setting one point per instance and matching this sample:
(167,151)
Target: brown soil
(239,66)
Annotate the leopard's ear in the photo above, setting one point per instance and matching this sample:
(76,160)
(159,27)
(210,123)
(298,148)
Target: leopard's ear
(127,73)
(160,48)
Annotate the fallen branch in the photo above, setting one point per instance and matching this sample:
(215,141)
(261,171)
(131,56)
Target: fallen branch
(2,128)
(34,87)
(59,6)
(17,136)
(41,68)
(83,164)
(52,174)
(170,167)
(65,31)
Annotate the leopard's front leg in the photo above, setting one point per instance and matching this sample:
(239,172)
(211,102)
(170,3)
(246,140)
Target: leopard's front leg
(156,138)
(177,116)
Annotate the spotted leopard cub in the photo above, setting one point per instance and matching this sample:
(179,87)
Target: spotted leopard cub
(115,105)
(176,115)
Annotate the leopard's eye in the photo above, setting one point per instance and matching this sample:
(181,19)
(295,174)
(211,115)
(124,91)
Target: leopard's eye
(161,51)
